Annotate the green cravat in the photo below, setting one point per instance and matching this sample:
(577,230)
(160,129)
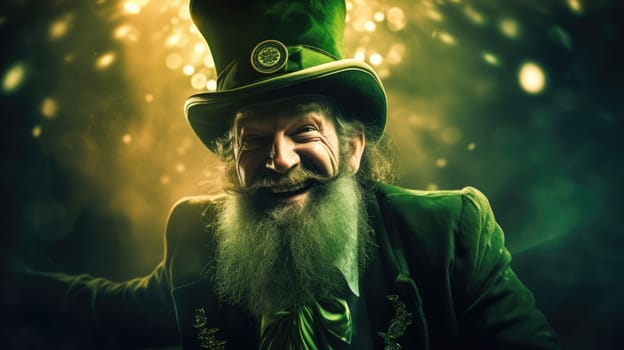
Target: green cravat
(325,324)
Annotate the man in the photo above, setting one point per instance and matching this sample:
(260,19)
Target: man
(307,248)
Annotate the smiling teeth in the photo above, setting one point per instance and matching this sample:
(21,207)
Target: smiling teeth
(286,189)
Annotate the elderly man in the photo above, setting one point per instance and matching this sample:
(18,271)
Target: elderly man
(307,248)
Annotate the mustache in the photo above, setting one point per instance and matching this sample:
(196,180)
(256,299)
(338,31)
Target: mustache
(294,177)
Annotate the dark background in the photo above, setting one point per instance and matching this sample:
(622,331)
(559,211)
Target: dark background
(95,148)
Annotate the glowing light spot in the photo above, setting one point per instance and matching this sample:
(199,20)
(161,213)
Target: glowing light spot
(132,7)
(36,131)
(473,15)
(200,48)
(180,168)
(531,78)
(49,108)
(432,187)
(149,98)
(375,59)
(435,15)
(575,6)
(184,13)
(396,53)
(509,28)
(211,85)
(164,179)
(360,54)
(441,163)
(126,138)
(396,19)
(359,25)
(60,27)
(472,146)
(173,40)
(188,70)
(490,58)
(173,61)
(199,81)
(349,5)
(105,60)
(446,38)
(379,16)
(14,77)
(370,26)
(209,61)
(127,32)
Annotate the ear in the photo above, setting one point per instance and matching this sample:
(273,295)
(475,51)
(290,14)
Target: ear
(356,149)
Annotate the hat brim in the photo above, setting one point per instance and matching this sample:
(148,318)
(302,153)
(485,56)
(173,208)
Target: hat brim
(351,82)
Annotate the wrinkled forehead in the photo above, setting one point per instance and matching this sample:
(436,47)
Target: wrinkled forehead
(291,107)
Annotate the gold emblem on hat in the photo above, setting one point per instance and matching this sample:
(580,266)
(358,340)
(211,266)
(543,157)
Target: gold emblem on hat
(269,56)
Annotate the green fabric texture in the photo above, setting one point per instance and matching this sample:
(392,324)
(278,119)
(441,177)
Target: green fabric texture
(326,324)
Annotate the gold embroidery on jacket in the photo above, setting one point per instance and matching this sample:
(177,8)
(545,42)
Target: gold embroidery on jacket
(398,324)
(207,337)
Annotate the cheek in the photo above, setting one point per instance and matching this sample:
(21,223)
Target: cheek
(246,168)
(324,156)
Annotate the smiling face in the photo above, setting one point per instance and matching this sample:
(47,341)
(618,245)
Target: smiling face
(284,151)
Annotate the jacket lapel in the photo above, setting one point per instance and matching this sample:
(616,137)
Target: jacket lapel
(403,318)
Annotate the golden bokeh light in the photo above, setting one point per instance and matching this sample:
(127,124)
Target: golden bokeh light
(105,60)
(211,85)
(173,61)
(474,16)
(446,38)
(396,19)
(441,163)
(375,59)
(132,7)
(199,81)
(60,27)
(509,28)
(188,69)
(14,77)
(490,58)
(532,78)
(36,131)
(49,108)
(126,139)
(575,6)
(370,26)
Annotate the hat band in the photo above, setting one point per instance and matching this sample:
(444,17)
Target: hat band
(241,72)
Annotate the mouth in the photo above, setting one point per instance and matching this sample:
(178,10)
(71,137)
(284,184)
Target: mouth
(287,193)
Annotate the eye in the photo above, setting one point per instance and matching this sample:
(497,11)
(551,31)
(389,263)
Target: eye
(306,129)
(251,142)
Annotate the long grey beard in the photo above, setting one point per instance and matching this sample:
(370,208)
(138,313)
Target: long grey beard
(278,260)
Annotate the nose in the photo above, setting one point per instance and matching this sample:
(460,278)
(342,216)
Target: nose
(283,155)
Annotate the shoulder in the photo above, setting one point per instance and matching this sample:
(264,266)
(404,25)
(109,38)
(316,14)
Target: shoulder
(467,203)
(437,226)
(193,209)
(189,236)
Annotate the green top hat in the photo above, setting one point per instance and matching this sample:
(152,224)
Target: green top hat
(272,49)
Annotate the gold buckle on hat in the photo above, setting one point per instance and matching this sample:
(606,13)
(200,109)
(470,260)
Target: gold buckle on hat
(269,56)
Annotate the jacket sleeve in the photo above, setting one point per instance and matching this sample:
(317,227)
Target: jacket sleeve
(494,309)
(138,312)
(134,313)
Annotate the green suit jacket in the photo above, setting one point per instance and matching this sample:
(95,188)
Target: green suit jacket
(441,253)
